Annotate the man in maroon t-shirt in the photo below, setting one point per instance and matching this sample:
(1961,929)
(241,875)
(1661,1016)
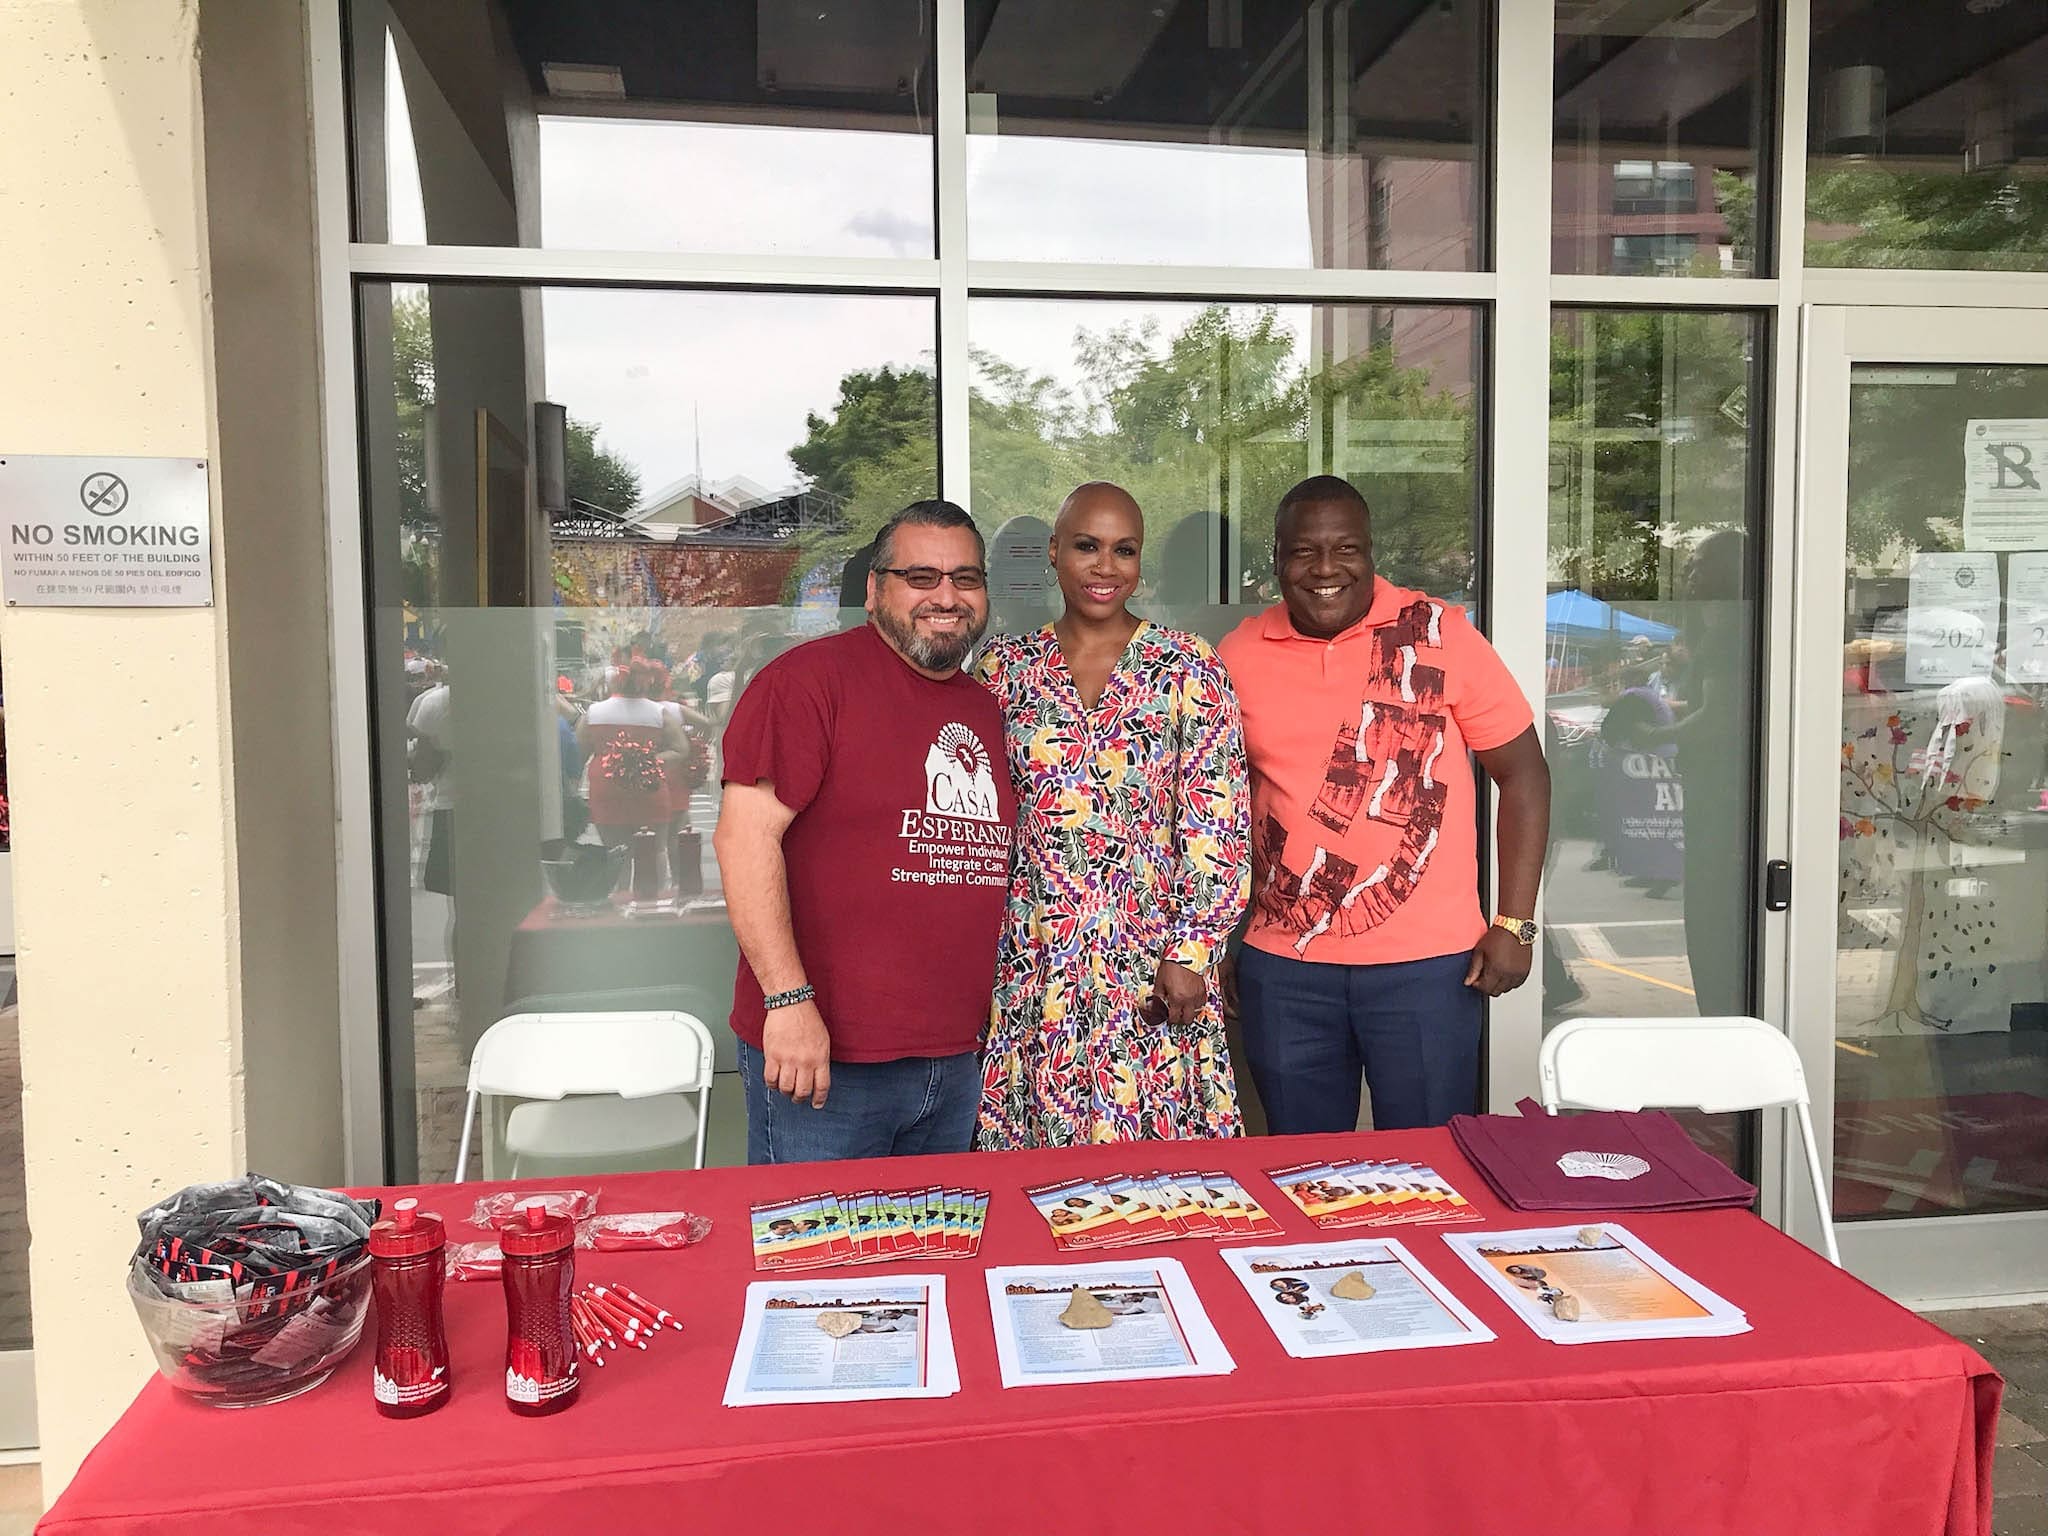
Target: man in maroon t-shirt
(864,842)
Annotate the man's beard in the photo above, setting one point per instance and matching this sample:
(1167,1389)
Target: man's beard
(932,653)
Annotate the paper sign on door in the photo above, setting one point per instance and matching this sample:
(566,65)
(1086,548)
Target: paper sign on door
(2026,618)
(1951,618)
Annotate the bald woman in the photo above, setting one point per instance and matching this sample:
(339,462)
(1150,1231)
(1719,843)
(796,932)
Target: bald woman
(1131,863)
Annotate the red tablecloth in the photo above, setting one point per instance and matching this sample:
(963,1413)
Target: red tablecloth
(1840,1413)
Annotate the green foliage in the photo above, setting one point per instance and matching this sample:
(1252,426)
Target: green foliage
(1871,216)
(1649,444)
(597,475)
(879,411)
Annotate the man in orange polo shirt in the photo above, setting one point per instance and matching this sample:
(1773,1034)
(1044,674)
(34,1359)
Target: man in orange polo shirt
(1366,946)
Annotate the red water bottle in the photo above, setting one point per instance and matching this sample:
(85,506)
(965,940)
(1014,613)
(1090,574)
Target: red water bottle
(540,1341)
(411,1374)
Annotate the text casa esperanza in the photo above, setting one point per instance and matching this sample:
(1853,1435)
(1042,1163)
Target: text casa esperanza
(109,534)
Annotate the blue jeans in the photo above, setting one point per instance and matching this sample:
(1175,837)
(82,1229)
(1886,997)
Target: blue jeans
(874,1109)
(1309,1027)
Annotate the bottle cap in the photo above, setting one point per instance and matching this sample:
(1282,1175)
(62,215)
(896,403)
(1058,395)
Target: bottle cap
(407,1232)
(536,1232)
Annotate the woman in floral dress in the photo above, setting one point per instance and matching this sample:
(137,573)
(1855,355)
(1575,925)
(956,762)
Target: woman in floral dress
(1132,863)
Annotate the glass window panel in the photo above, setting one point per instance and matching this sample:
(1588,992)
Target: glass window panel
(1207,414)
(1652,680)
(722,126)
(1928,136)
(1660,120)
(1941,971)
(559,480)
(1268,133)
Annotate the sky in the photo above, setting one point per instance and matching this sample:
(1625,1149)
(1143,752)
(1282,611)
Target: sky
(659,371)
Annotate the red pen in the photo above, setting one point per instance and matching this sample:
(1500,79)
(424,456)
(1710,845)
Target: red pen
(617,1298)
(597,1324)
(620,1320)
(659,1315)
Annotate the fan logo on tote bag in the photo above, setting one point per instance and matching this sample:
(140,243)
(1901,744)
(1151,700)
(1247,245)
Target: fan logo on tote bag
(1620,1166)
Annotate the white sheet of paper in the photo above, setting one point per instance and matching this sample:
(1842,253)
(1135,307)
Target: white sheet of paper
(1952,614)
(904,1347)
(2005,484)
(1408,1309)
(1161,1329)
(2026,617)
(1626,1290)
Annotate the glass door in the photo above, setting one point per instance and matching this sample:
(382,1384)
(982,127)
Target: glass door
(1920,910)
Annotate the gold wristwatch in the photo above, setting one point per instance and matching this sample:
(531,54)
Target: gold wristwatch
(1524,929)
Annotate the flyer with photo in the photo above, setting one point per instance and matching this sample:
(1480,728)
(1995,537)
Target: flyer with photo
(804,1233)
(1352,1298)
(1080,1214)
(1583,1285)
(1153,1324)
(843,1340)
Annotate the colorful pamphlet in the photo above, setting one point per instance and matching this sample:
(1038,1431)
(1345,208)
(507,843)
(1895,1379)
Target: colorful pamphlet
(1352,1298)
(843,1341)
(1586,1285)
(868,1226)
(1144,1322)
(1371,1193)
(1124,1209)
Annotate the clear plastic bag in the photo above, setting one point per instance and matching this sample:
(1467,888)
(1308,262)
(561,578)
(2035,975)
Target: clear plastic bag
(624,1231)
(497,1210)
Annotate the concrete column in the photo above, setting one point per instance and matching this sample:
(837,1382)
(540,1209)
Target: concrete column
(121,765)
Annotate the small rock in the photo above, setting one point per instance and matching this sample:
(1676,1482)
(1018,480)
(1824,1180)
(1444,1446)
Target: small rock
(1565,1308)
(1352,1287)
(1591,1236)
(839,1324)
(1084,1311)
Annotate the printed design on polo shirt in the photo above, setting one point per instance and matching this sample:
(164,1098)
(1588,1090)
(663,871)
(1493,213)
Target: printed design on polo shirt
(1382,769)
(959,838)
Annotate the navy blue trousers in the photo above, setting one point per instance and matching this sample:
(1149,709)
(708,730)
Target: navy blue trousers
(1309,1029)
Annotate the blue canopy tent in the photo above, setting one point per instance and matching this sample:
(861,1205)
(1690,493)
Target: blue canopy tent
(1574,616)
(1575,624)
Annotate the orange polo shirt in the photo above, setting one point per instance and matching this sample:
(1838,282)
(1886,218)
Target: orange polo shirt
(1364,826)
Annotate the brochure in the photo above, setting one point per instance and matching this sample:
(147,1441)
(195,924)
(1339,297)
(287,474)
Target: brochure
(843,1341)
(1586,1285)
(1352,1298)
(868,1227)
(1155,1325)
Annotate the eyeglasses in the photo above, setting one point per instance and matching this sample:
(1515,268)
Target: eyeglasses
(926,578)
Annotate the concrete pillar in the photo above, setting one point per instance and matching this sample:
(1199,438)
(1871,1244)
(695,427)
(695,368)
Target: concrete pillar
(127,909)
(171,770)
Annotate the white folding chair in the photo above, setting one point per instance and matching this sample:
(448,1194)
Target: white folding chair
(1714,1065)
(643,1064)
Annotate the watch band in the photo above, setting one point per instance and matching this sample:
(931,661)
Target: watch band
(789,999)
(1524,929)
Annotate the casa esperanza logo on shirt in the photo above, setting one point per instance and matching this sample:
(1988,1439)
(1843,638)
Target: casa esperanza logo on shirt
(959,777)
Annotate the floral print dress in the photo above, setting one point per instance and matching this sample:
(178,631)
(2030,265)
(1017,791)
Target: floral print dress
(1131,846)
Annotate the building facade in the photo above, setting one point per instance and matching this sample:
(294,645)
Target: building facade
(1699,347)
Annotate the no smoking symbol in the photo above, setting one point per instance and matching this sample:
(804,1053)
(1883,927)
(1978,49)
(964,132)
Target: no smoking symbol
(103,494)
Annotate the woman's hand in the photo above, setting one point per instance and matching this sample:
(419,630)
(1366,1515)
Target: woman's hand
(1182,991)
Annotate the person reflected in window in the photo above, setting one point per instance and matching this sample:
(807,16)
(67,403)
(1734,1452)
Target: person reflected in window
(1132,866)
(630,739)
(1713,734)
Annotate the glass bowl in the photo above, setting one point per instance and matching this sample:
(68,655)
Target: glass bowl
(242,1353)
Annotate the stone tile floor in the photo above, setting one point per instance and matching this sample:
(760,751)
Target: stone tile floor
(2015,1339)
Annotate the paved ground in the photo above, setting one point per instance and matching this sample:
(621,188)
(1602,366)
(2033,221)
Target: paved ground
(2015,1339)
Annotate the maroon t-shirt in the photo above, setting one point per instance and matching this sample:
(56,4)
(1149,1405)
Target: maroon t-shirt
(899,856)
